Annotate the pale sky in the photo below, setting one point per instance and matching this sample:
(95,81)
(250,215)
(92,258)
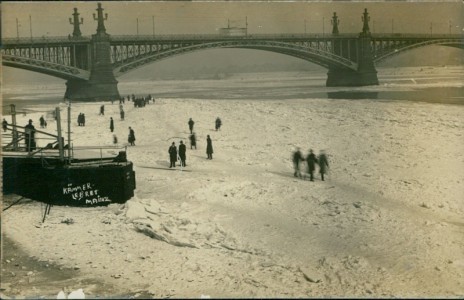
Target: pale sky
(179,17)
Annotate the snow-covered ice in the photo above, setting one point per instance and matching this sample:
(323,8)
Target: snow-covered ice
(386,222)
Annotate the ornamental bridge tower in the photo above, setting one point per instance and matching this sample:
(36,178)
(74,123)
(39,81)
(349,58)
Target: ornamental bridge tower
(366,74)
(79,56)
(102,85)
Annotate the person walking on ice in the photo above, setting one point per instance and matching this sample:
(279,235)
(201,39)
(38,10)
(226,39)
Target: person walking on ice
(191,123)
(311,160)
(193,141)
(111,124)
(42,122)
(182,150)
(323,164)
(172,155)
(297,158)
(209,147)
(218,123)
(131,138)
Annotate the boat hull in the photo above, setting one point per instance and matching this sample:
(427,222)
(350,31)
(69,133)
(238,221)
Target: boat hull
(52,182)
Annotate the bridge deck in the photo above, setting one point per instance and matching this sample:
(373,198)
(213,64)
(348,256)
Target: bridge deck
(42,41)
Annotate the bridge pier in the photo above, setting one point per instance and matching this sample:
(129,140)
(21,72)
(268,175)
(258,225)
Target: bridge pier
(82,90)
(366,74)
(343,77)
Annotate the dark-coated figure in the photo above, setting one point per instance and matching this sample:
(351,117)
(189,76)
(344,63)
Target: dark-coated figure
(191,123)
(182,155)
(172,155)
(42,122)
(111,124)
(323,164)
(311,160)
(193,141)
(4,125)
(122,114)
(297,158)
(218,123)
(102,110)
(131,138)
(81,120)
(29,136)
(209,147)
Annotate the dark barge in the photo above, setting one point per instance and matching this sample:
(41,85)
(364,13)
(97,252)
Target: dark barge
(88,182)
(84,177)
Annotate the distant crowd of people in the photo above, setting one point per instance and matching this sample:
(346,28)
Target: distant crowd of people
(139,101)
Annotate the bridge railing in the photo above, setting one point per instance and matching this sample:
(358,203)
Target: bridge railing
(43,40)
(216,36)
(417,36)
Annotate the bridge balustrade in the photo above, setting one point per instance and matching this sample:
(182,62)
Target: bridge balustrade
(44,40)
(207,37)
(121,38)
(413,36)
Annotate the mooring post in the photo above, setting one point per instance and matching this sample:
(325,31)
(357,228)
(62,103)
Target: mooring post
(58,128)
(15,131)
(69,131)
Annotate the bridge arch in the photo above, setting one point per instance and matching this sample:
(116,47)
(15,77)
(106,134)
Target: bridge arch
(44,67)
(321,57)
(395,50)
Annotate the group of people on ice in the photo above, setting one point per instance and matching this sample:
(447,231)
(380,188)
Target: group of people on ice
(174,154)
(180,153)
(140,101)
(130,138)
(312,161)
(81,119)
